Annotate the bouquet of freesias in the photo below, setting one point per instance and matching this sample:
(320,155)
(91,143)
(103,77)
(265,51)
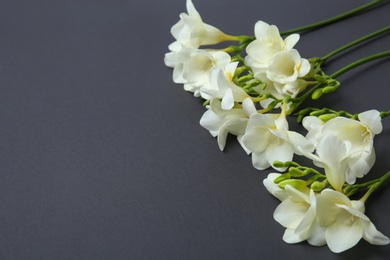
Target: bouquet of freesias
(250,88)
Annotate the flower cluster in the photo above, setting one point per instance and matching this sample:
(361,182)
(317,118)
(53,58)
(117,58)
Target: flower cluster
(249,90)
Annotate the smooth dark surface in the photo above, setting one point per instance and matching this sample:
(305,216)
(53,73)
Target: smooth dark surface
(102,155)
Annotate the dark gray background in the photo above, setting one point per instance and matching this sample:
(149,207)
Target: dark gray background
(102,155)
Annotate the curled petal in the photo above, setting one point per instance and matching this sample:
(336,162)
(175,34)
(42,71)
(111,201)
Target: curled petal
(373,236)
(372,119)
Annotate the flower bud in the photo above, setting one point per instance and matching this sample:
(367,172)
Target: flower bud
(319,78)
(317,186)
(282,178)
(317,94)
(295,172)
(279,164)
(327,117)
(297,184)
(329,89)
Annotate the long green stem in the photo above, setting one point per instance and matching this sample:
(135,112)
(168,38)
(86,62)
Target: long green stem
(353,43)
(333,19)
(360,62)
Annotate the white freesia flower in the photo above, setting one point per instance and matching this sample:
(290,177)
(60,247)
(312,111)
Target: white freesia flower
(192,32)
(268,42)
(220,122)
(221,86)
(274,188)
(287,66)
(357,136)
(268,138)
(278,90)
(192,66)
(345,222)
(297,214)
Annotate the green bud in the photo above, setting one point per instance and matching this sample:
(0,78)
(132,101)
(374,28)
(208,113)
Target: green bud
(295,172)
(316,113)
(327,117)
(329,89)
(297,184)
(317,186)
(317,94)
(300,118)
(279,164)
(319,78)
(282,178)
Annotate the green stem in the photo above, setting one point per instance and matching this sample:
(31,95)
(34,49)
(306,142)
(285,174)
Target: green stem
(384,114)
(298,101)
(351,44)
(373,187)
(333,19)
(360,62)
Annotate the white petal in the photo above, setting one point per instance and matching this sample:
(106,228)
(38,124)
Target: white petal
(249,107)
(291,40)
(236,126)
(289,214)
(221,59)
(291,238)
(359,166)
(221,139)
(301,145)
(304,68)
(228,100)
(373,236)
(332,152)
(191,10)
(307,220)
(317,235)
(259,161)
(261,29)
(326,208)
(239,139)
(211,121)
(341,237)
(273,188)
(372,119)
(280,152)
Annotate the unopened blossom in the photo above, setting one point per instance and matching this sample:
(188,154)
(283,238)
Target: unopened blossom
(192,67)
(287,66)
(192,32)
(357,136)
(268,42)
(268,138)
(221,122)
(221,86)
(345,222)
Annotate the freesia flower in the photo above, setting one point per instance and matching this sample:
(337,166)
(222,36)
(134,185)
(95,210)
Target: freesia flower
(192,67)
(268,42)
(278,90)
(220,122)
(345,222)
(221,86)
(268,138)
(357,136)
(192,32)
(297,214)
(286,66)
